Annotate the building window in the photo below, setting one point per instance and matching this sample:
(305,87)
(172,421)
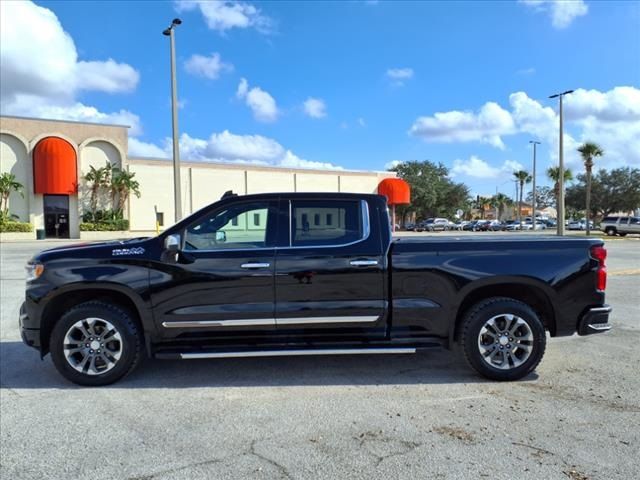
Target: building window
(316,219)
(234,222)
(256,219)
(160,219)
(329,219)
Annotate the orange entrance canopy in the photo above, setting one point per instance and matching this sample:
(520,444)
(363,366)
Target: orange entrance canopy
(396,190)
(54,167)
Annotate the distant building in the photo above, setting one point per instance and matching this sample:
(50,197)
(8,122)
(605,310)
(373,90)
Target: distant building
(51,157)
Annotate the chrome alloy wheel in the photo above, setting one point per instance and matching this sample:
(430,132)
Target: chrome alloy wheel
(505,341)
(92,346)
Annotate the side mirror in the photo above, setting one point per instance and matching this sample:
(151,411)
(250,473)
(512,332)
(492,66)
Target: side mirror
(221,236)
(172,243)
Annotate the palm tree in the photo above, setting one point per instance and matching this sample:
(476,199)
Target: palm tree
(123,184)
(8,185)
(98,178)
(480,203)
(522,176)
(588,151)
(554,174)
(500,200)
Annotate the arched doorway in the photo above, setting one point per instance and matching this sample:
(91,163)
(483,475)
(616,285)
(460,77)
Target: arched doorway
(55,177)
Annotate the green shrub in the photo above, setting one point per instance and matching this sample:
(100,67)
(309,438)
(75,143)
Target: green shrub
(105,226)
(10,226)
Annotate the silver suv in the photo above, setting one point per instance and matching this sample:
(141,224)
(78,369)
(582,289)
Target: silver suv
(620,225)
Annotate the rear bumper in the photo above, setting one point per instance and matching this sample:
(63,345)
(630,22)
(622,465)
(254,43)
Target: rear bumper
(595,320)
(30,336)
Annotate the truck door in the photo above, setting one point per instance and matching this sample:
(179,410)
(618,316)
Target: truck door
(221,282)
(330,272)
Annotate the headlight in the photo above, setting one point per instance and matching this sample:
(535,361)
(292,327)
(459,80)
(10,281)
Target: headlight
(34,270)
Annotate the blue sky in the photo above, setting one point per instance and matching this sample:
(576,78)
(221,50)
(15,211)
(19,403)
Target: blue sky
(462,83)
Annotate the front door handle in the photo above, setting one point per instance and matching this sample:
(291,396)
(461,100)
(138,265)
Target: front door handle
(255,265)
(363,263)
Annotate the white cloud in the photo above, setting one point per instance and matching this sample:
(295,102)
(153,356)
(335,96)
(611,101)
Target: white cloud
(138,148)
(40,76)
(392,164)
(208,67)
(399,75)
(231,148)
(361,122)
(487,126)
(477,168)
(562,12)
(225,15)
(261,103)
(526,71)
(315,107)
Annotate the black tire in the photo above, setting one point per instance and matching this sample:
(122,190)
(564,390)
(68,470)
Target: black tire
(610,231)
(492,308)
(130,343)
(622,234)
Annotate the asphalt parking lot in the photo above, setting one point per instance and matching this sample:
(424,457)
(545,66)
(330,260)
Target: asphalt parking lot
(397,417)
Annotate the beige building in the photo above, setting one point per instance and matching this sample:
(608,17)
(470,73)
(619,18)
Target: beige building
(51,157)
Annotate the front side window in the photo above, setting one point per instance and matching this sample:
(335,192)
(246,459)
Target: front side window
(335,222)
(240,226)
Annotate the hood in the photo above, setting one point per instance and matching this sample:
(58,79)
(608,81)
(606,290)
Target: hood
(98,250)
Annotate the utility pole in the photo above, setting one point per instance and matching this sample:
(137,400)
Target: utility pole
(177,194)
(561,167)
(534,143)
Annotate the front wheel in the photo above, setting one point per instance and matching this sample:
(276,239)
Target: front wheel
(503,339)
(95,343)
(610,231)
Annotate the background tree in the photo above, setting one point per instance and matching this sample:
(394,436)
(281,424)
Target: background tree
(612,191)
(8,185)
(501,201)
(545,197)
(554,174)
(433,193)
(481,203)
(589,151)
(523,177)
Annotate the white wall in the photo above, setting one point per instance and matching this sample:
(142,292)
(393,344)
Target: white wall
(15,159)
(310,182)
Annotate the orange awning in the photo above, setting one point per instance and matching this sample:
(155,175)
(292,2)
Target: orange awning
(54,167)
(396,190)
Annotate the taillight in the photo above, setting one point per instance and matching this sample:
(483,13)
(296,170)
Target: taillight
(599,253)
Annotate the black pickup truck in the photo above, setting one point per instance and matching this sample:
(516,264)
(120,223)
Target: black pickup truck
(308,274)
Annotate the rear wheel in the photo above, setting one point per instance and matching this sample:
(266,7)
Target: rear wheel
(503,339)
(95,343)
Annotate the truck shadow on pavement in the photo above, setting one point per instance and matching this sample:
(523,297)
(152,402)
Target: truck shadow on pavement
(21,368)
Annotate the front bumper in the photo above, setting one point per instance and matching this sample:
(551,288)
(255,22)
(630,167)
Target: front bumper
(30,336)
(595,320)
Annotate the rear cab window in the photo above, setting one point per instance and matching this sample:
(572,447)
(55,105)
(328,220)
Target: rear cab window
(327,222)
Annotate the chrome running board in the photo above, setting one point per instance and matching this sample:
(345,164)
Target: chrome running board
(287,353)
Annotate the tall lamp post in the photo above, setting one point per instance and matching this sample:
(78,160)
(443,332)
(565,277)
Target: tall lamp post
(561,168)
(177,195)
(534,143)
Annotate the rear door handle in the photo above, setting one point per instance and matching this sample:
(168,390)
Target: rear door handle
(255,265)
(363,263)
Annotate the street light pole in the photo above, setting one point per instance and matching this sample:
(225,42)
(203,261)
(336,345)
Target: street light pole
(561,167)
(177,195)
(534,143)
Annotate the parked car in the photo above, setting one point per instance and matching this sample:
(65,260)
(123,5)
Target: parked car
(212,287)
(494,226)
(437,224)
(461,224)
(470,226)
(579,224)
(614,225)
(410,227)
(512,225)
(481,226)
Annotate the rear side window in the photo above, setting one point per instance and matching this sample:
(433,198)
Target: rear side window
(634,221)
(335,222)
(610,219)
